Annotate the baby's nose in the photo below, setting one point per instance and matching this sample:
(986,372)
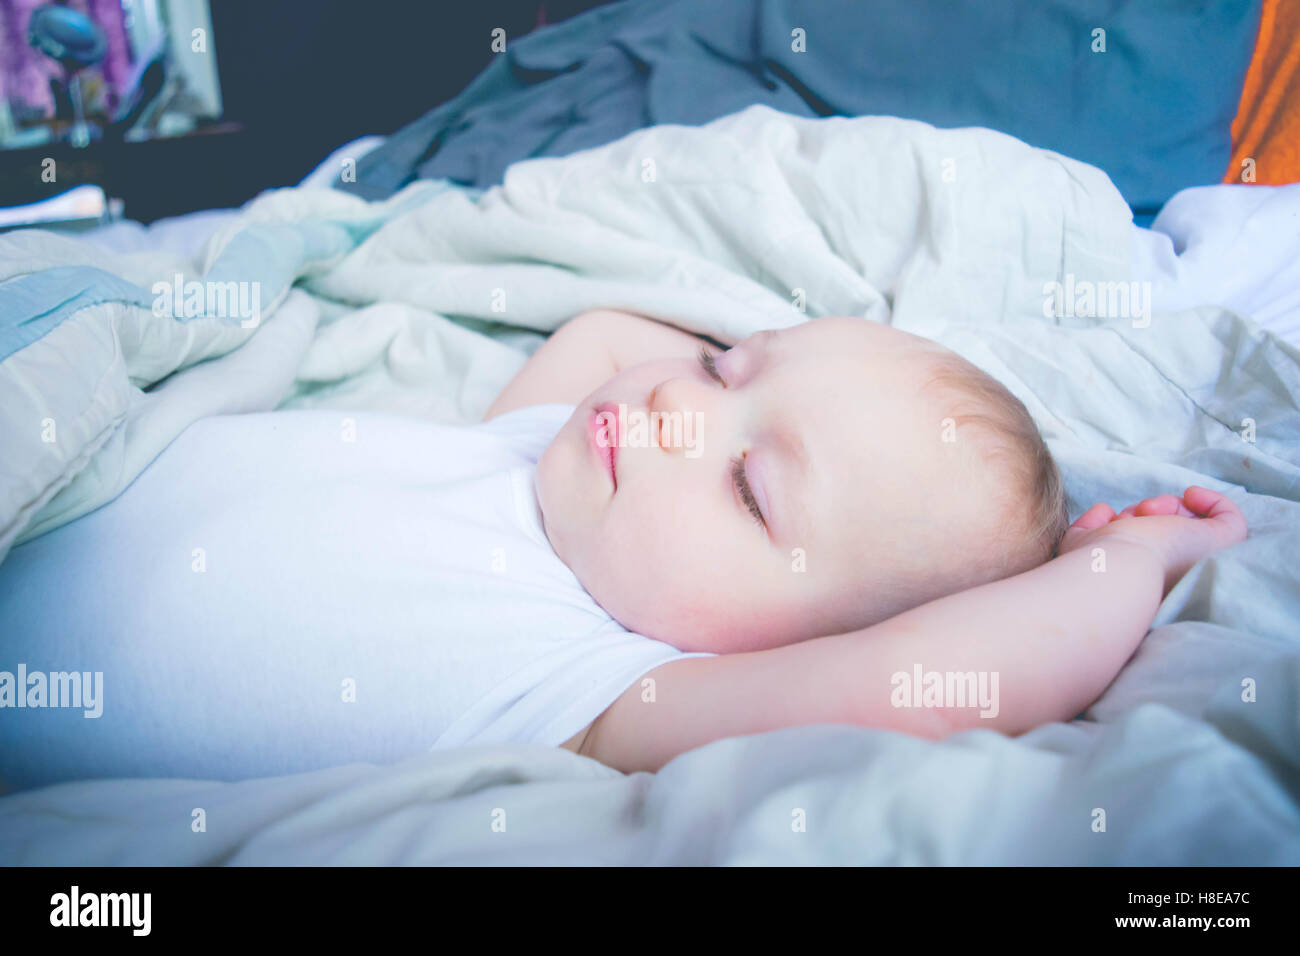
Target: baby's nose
(678,409)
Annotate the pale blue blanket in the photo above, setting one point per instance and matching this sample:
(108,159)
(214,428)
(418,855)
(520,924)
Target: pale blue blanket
(429,303)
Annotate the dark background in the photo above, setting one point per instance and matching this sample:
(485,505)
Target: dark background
(298,80)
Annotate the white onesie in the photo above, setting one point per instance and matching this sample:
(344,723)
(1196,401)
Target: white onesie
(288,591)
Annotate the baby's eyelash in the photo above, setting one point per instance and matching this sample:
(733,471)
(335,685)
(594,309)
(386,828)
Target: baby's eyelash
(746,494)
(738,477)
(710,366)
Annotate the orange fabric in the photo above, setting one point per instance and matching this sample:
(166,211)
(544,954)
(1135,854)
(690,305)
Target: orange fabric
(1267,127)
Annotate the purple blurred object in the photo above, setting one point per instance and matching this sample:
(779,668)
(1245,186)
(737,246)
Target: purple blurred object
(25,74)
(116,65)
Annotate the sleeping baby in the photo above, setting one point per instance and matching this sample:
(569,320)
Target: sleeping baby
(650,543)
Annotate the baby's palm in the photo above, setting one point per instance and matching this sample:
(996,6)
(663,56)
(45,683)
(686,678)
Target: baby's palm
(1180,531)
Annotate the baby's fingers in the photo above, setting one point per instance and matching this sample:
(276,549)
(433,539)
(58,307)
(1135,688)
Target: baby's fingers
(1096,516)
(1162,505)
(1092,519)
(1218,508)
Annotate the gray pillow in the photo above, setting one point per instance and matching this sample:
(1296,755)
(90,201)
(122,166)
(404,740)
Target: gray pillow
(1150,101)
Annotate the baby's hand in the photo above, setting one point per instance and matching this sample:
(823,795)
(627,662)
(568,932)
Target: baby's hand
(1179,531)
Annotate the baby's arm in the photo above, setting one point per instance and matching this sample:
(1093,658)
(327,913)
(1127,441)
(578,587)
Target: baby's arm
(588,351)
(1056,636)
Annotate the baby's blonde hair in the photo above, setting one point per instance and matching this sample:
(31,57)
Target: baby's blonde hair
(1008,439)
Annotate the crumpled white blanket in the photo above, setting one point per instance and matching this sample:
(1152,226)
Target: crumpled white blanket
(754,221)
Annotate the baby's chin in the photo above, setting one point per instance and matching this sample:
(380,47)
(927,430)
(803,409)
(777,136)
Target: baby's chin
(684,636)
(560,482)
(715,631)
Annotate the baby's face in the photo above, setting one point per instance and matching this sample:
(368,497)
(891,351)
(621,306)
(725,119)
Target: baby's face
(777,500)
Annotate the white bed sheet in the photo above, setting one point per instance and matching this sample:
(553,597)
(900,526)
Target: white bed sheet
(1186,769)
(1235,246)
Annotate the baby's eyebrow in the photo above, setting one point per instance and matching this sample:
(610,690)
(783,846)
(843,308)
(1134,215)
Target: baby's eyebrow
(760,341)
(757,348)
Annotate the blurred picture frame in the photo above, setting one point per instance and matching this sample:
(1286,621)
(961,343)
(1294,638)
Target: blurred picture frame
(85,70)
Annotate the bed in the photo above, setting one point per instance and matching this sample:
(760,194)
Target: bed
(755,219)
